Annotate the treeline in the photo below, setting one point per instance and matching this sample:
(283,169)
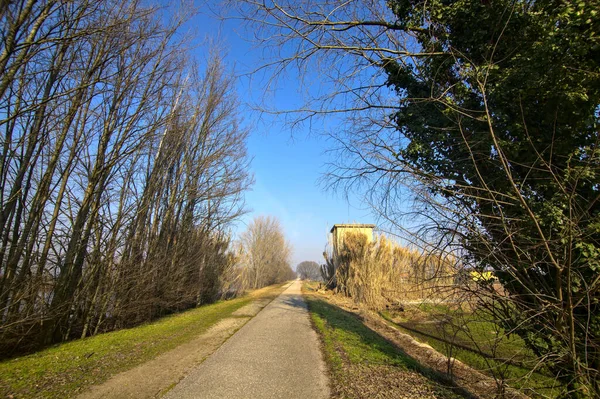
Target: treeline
(121,167)
(309,270)
(262,256)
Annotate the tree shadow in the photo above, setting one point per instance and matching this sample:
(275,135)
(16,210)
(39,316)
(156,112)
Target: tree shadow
(295,301)
(367,345)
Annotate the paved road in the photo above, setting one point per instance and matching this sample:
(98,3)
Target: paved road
(275,355)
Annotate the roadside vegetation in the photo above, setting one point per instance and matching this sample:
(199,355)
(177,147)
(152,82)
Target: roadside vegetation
(64,370)
(478,343)
(262,256)
(122,168)
(423,296)
(470,127)
(364,364)
(378,272)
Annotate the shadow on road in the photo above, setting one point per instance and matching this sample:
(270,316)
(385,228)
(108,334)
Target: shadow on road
(295,301)
(290,303)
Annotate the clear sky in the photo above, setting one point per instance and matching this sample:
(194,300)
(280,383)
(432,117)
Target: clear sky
(287,166)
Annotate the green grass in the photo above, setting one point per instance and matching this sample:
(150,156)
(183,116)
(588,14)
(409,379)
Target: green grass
(489,348)
(347,341)
(356,341)
(63,370)
(472,332)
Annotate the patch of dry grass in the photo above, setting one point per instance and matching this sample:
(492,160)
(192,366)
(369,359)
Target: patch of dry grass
(381,272)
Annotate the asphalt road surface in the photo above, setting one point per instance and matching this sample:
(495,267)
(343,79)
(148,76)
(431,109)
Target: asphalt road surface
(275,355)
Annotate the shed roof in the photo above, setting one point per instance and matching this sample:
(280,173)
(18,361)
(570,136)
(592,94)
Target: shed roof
(352,225)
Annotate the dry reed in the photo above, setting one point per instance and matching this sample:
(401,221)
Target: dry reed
(381,272)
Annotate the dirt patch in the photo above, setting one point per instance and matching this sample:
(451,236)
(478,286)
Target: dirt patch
(270,292)
(252,309)
(465,377)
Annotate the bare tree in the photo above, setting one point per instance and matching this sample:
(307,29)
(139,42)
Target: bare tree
(265,253)
(121,170)
(309,270)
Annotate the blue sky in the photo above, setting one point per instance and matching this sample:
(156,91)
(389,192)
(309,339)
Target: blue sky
(287,166)
(287,173)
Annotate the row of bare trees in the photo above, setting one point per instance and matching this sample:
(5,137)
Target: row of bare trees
(263,255)
(121,168)
(309,270)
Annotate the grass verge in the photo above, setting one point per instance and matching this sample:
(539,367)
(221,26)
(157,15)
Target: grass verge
(477,344)
(64,370)
(363,364)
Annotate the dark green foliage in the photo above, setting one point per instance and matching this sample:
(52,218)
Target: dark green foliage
(502,127)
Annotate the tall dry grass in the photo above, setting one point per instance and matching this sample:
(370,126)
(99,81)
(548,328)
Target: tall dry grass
(381,272)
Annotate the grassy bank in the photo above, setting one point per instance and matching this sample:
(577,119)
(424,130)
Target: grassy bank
(477,343)
(363,364)
(66,369)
